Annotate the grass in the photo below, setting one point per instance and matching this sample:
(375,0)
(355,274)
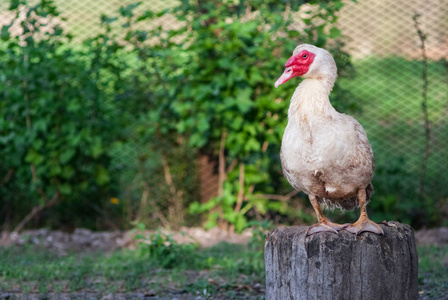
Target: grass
(433,274)
(221,272)
(226,271)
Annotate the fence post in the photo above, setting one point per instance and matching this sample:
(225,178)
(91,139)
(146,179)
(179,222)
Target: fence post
(341,266)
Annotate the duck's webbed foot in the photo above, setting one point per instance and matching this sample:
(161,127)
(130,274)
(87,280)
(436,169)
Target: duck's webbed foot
(324,225)
(364,224)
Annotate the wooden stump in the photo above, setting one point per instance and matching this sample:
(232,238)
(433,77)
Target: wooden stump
(341,266)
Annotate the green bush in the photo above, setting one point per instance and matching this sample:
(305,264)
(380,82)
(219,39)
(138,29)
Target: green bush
(56,118)
(68,112)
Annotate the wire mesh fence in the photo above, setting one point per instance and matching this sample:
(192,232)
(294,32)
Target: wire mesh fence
(399,50)
(83,17)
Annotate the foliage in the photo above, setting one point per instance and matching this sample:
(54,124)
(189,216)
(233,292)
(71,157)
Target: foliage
(257,242)
(56,116)
(259,230)
(165,251)
(192,88)
(211,85)
(125,115)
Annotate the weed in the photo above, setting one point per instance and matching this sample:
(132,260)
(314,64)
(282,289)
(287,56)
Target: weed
(165,252)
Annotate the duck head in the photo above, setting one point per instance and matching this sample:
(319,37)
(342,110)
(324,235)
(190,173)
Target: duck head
(309,61)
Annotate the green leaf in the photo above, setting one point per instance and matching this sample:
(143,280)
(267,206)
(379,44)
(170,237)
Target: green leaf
(230,216)
(335,32)
(14,4)
(139,237)
(128,10)
(67,155)
(198,140)
(252,145)
(240,223)
(67,172)
(55,169)
(41,125)
(243,100)
(4,34)
(102,176)
(202,123)
(96,148)
(34,157)
(195,208)
(38,143)
(65,189)
(338,4)
(108,20)
(148,14)
(211,220)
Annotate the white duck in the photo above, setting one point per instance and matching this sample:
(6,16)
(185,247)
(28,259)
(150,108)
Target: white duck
(324,153)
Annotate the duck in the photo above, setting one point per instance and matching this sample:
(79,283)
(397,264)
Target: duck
(324,153)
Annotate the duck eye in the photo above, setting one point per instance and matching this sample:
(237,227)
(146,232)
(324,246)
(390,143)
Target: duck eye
(305,56)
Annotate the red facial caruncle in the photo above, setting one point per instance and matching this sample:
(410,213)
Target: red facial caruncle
(297,65)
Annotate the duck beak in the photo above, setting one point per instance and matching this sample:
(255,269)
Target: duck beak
(287,75)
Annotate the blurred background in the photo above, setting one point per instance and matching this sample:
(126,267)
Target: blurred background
(163,113)
(139,141)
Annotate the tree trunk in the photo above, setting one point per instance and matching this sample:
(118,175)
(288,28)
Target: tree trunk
(341,266)
(208,177)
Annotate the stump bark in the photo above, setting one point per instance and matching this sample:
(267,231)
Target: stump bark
(341,266)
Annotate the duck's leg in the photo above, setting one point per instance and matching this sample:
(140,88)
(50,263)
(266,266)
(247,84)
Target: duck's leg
(363,223)
(323,223)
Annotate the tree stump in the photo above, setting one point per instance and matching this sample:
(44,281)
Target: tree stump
(341,266)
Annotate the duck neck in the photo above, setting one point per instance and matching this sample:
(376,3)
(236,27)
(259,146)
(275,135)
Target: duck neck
(311,98)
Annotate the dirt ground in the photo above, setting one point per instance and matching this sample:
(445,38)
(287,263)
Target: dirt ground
(87,240)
